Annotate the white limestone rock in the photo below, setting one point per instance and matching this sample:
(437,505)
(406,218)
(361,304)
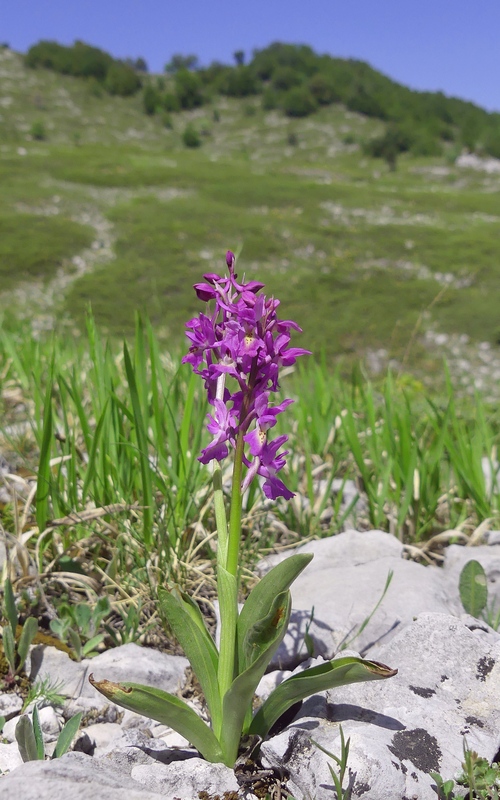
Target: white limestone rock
(185,779)
(344,582)
(447,687)
(74,775)
(10,757)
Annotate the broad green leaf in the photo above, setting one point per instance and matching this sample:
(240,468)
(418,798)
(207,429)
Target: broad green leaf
(339,672)
(25,738)
(37,731)
(262,597)
(10,605)
(28,633)
(473,588)
(164,708)
(67,735)
(264,639)
(9,647)
(184,617)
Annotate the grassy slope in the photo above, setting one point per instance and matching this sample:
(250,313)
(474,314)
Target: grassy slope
(355,253)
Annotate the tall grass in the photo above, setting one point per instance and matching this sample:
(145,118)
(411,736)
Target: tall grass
(112,437)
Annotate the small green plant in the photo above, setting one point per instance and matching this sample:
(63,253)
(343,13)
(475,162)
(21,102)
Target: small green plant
(473,588)
(444,788)
(191,137)
(131,628)
(480,777)
(15,648)
(44,692)
(77,626)
(38,131)
(29,737)
(341,762)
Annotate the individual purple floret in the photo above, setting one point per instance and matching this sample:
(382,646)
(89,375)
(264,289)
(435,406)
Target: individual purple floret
(242,340)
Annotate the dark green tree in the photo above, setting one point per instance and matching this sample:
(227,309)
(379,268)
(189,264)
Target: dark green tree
(188,89)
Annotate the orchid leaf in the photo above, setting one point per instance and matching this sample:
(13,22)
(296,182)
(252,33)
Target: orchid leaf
(262,597)
(262,641)
(164,708)
(338,672)
(184,617)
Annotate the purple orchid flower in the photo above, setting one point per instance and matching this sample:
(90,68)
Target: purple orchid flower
(242,341)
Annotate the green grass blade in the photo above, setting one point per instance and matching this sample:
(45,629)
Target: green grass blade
(142,442)
(43,484)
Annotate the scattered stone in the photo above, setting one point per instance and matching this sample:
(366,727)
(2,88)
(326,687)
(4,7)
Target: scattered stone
(472,161)
(10,705)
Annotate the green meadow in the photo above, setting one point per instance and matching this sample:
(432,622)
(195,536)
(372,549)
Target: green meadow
(363,257)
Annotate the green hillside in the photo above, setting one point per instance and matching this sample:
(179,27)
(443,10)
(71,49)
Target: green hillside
(103,204)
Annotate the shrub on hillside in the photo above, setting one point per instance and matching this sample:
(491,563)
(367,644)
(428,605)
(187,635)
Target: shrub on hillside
(81,60)
(323,89)
(170,102)
(363,102)
(166,120)
(38,131)
(492,143)
(122,80)
(270,99)
(190,136)
(150,99)
(180,63)
(188,89)
(285,78)
(299,102)
(425,144)
(238,82)
(301,58)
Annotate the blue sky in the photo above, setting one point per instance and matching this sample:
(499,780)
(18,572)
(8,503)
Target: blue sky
(452,45)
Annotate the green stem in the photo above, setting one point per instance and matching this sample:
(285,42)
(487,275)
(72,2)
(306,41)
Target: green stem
(227,580)
(236,504)
(220,517)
